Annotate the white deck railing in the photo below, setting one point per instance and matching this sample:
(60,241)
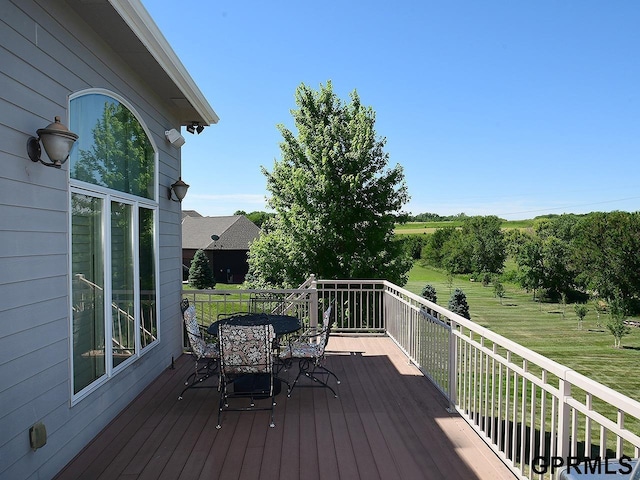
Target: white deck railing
(530,410)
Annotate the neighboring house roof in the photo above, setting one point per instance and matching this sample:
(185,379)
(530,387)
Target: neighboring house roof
(127,27)
(190,213)
(235,232)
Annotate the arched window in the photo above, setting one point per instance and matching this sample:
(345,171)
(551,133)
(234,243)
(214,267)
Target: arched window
(113,149)
(113,239)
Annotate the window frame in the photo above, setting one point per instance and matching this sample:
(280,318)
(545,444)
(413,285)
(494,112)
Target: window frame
(108,196)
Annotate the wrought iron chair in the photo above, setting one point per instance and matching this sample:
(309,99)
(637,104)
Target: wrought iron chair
(200,350)
(246,367)
(309,350)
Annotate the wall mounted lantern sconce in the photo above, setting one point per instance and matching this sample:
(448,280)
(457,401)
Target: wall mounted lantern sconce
(57,141)
(179,189)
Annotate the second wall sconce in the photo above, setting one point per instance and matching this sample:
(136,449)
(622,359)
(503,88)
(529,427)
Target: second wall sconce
(57,141)
(179,189)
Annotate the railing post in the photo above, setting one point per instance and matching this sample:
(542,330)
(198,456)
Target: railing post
(313,302)
(453,368)
(564,412)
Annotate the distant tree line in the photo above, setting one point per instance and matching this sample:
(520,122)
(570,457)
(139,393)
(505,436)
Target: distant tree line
(259,218)
(434,217)
(561,257)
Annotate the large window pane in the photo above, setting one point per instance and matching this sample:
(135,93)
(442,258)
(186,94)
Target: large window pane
(148,321)
(87,253)
(112,150)
(112,178)
(122,306)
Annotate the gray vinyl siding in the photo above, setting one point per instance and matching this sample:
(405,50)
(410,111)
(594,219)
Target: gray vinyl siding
(46,54)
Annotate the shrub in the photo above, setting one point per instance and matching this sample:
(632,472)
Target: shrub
(200,274)
(458,303)
(617,327)
(581,312)
(498,290)
(429,293)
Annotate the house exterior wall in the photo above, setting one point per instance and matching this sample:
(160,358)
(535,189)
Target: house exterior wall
(47,53)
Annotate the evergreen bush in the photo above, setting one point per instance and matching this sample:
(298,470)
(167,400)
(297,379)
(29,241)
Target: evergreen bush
(429,292)
(458,303)
(200,273)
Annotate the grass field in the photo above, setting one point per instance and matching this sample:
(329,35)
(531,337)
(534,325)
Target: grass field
(544,329)
(429,227)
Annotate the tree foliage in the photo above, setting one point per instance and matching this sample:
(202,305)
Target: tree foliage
(433,251)
(257,217)
(336,200)
(478,247)
(498,290)
(413,244)
(429,293)
(606,252)
(486,241)
(581,311)
(616,325)
(200,273)
(458,303)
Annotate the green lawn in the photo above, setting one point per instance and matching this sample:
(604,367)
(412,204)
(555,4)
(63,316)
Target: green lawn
(544,329)
(429,227)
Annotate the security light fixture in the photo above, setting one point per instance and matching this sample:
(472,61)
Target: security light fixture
(57,141)
(195,127)
(179,189)
(174,137)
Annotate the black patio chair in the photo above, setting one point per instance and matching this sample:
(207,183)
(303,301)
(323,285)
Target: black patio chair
(246,367)
(309,350)
(200,350)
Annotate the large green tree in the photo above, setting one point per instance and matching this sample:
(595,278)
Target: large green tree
(335,197)
(485,237)
(478,247)
(530,259)
(606,248)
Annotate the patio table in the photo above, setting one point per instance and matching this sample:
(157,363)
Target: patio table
(282,324)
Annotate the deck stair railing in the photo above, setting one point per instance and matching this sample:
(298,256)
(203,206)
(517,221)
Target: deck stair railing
(123,320)
(530,410)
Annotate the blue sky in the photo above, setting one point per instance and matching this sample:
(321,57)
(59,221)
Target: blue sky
(511,108)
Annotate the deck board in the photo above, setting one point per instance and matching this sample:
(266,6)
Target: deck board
(388,422)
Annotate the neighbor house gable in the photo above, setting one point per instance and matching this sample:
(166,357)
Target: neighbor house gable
(234,233)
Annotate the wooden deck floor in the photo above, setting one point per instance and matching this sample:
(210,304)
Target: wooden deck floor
(388,422)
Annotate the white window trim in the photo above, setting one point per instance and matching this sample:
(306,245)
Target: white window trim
(108,195)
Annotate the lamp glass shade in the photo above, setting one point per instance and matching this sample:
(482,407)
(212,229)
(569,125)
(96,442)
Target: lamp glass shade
(57,141)
(180,189)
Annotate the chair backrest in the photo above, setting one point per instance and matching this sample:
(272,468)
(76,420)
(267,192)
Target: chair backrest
(184,304)
(246,348)
(327,322)
(326,316)
(196,341)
